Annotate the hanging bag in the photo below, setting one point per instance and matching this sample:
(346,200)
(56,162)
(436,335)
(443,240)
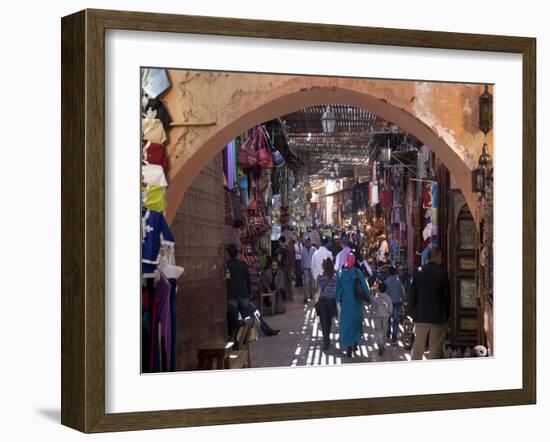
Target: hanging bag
(278,159)
(248,157)
(265,158)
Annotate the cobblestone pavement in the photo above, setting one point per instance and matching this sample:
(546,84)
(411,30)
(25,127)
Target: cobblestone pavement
(300,341)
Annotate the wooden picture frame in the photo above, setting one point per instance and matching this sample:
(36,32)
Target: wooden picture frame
(83,214)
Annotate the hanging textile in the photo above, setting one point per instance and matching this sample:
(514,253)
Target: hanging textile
(385,198)
(427,196)
(153,131)
(435,195)
(154,197)
(374,193)
(153,153)
(155,232)
(153,174)
(230,165)
(161,112)
(154,82)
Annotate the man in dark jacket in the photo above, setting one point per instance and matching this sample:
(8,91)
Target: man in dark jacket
(430,307)
(281,256)
(237,279)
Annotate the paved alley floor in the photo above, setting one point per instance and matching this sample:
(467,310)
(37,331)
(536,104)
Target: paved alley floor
(300,341)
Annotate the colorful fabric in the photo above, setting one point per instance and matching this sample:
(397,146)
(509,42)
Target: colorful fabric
(161,112)
(153,174)
(154,198)
(385,198)
(153,153)
(153,130)
(155,232)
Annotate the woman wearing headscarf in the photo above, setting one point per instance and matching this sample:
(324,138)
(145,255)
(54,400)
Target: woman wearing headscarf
(351,308)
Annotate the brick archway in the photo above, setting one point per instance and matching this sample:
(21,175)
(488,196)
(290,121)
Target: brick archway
(442,115)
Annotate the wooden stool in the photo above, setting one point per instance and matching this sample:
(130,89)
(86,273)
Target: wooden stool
(231,354)
(270,296)
(218,353)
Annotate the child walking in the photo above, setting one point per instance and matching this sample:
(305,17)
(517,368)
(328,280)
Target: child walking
(381,309)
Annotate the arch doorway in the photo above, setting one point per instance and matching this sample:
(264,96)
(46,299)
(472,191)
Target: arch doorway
(210,109)
(215,107)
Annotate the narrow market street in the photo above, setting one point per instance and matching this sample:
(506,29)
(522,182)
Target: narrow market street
(341,191)
(300,341)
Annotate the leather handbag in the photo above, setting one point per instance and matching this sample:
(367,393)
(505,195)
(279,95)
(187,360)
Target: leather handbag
(265,157)
(248,157)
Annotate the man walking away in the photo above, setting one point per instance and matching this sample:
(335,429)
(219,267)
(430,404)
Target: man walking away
(430,307)
(318,257)
(335,247)
(341,256)
(396,292)
(307,255)
(281,256)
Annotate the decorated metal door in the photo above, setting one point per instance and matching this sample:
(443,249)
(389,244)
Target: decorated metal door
(462,263)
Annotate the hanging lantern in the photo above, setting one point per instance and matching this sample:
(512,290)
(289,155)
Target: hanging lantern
(478,180)
(485,111)
(328,120)
(484,157)
(480,173)
(386,154)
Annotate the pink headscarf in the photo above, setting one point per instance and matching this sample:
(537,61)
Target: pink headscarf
(349,261)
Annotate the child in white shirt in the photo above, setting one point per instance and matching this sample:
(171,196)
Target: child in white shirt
(381,309)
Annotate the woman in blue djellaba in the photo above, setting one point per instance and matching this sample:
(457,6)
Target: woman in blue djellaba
(351,308)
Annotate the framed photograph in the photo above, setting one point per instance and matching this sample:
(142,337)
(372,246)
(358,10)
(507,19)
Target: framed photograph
(267,221)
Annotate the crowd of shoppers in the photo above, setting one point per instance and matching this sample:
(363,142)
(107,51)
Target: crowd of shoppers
(331,267)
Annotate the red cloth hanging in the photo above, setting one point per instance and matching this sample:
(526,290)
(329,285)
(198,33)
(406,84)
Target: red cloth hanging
(153,153)
(385,198)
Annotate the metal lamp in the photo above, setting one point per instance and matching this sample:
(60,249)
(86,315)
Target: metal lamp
(480,174)
(485,111)
(386,154)
(328,120)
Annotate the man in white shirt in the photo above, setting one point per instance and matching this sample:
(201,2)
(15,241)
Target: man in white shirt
(383,251)
(340,258)
(318,257)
